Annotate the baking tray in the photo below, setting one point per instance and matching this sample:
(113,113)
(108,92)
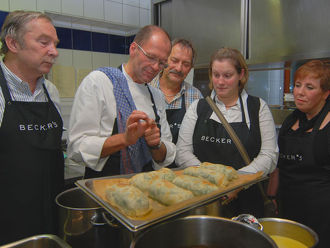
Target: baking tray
(166,212)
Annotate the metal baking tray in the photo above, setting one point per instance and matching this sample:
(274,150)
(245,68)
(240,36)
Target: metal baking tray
(134,225)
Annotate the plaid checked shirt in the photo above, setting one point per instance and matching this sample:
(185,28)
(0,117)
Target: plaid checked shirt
(190,92)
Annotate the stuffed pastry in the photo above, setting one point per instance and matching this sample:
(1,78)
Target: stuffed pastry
(229,171)
(167,193)
(129,199)
(142,180)
(212,176)
(198,186)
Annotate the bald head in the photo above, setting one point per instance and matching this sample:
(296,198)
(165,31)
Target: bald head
(148,31)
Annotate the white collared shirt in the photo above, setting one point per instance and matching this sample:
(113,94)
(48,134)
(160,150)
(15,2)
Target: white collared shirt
(267,158)
(93,116)
(20,91)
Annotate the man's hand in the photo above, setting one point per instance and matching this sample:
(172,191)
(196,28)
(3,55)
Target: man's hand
(152,134)
(137,123)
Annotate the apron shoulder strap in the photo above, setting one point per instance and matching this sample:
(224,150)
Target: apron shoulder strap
(253,104)
(203,108)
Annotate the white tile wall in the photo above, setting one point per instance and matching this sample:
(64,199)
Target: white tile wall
(118,1)
(82,59)
(94,9)
(135,3)
(113,11)
(117,59)
(73,7)
(4,5)
(145,4)
(49,5)
(65,57)
(131,15)
(144,17)
(100,60)
(22,5)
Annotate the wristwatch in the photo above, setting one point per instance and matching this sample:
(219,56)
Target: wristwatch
(156,147)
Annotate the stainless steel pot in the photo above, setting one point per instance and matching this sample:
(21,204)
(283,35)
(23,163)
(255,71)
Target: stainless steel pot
(202,231)
(81,222)
(290,229)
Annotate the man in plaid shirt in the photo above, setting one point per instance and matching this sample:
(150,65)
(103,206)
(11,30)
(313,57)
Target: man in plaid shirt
(178,94)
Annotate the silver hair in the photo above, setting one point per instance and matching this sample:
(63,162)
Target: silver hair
(15,26)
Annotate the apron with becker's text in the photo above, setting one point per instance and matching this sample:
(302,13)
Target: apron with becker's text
(31,167)
(212,143)
(305,179)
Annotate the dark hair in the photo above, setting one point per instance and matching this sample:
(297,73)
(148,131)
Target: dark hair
(315,69)
(237,60)
(146,32)
(15,26)
(186,44)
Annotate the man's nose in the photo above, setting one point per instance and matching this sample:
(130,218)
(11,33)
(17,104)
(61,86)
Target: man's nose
(53,50)
(178,67)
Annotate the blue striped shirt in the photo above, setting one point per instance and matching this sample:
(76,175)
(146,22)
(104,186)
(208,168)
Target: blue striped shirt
(190,93)
(20,90)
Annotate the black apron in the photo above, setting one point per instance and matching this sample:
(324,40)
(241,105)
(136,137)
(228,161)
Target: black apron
(112,166)
(304,180)
(212,143)
(174,118)
(31,167)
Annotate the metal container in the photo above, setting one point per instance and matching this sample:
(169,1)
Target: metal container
(81,222)
(290,229)
(39,241)
(202,231)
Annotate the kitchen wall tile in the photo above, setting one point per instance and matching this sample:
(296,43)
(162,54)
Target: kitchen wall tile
(22,5)
(3,15)
(73,7)
(113,11)
(118,1)
(64,79)
(82,59)
(94,9)
(135,3)
(100,42)
(144,17)
(4,5)
(117,59)
(117,44)
(100,60)
(49,5)
(131,15)
(145,4)
(65,37)
(82,40)
(65,57)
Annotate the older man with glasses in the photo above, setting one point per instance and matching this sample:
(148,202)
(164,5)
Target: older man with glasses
(118,122)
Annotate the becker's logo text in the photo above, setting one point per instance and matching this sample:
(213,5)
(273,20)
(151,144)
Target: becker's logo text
(38,127)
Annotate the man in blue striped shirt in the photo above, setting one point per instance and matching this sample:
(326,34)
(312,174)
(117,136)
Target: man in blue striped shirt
(178,94)
(31,159)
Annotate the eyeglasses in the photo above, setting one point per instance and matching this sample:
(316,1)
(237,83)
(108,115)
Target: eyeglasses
(153,59)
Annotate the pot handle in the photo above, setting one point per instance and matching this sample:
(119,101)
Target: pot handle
(111,222)
(98,218)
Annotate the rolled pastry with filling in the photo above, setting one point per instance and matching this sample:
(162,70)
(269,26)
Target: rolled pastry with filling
(229,171)
(198,186)
(142,180)
(129,199)
(167,193)
(212,176)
